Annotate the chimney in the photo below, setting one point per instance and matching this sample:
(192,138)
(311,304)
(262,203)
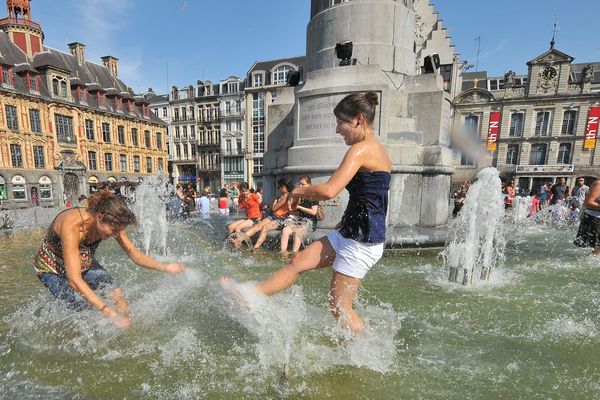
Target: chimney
(78,50)
(112,63)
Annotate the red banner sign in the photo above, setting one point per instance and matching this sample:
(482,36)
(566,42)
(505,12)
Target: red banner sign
(591,130)
(492,137)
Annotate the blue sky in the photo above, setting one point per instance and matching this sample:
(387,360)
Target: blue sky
(213,39)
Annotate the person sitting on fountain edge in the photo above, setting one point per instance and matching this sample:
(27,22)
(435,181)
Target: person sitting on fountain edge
(358,242)
(65,263)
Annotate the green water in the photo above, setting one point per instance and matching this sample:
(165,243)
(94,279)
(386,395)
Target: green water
(533,332)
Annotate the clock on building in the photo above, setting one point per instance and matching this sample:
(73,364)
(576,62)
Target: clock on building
(548,73)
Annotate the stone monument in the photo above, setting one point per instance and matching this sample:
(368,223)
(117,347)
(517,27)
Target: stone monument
(412,121)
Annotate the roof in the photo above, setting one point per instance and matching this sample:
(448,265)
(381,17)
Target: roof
(91,75)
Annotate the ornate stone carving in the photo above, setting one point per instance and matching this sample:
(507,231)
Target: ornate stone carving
(587,75)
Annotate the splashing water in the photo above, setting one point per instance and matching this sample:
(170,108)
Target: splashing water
(477,233)
(151,213)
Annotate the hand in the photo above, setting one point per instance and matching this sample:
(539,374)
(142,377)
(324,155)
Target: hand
(295,199)
(119,320)
(175,268)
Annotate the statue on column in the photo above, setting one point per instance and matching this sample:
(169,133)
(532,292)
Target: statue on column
(588,74)
(509,79)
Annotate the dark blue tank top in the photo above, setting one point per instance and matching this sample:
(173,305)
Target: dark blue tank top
(364,218)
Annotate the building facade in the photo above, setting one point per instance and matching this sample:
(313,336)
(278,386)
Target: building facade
(66,124)
(263,82)
(232,111)
(533,127)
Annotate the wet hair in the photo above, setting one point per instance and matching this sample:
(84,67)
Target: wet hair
(223,193)
(112,209)
(305,178)
(244,186)
(287,182)
(353,105)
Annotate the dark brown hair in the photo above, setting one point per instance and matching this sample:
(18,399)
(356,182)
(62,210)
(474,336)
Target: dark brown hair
(112,208)
(357,103)
(305,178)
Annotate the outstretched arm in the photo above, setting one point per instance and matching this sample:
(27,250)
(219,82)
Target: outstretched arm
(144,260)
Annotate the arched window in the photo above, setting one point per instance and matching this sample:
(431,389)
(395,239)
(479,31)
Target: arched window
(18,188)
(45,188)
(3,191)
(63,88)
(55,87)
(280,74)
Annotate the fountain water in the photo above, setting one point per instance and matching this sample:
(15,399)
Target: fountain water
(151,213)
(478,232)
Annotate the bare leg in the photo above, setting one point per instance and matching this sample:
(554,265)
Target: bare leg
(341,303)
(298,238)
(285,236)
(318,255)
(271,226)
(247,223)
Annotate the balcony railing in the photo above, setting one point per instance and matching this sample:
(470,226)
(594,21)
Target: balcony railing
(232,152)
(231,113)
(544,168)
(19,21)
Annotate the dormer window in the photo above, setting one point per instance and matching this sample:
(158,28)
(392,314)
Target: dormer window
(59,87)
(7,77)
(280,75)
(33,82)
(257,79)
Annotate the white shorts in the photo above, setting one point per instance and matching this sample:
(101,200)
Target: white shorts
(353,258)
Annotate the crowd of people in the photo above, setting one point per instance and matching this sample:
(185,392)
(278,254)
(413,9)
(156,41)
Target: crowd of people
(568,202)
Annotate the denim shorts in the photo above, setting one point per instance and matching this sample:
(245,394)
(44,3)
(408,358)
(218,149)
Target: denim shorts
(96,277)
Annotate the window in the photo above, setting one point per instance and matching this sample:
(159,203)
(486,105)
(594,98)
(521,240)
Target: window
(542,123)
(184,132)
(258,165)
(18,188)
(466,160)
(6,75)
(192,132)
(191,112)
(177,135)
(64,129)
(106,132)
(148,164)
(564,153)
(92,160)
(136,163)
(496,84)
(472,125)
(59,87)
(178,151)
(159,140)
(89,129)
(3,191)
(123,162)
(134,136)
(516,124)
(176,114)
(164,112)
(257,79)
(232,87)
(16,156)
(238,145)
(280,75)
(161,166)
(569,122)
(147,139)
(512,154)
(538,154)
(108,162)
(233,165)
(121,134)
(12,122)
(38,157)
(34,120)
(45,188)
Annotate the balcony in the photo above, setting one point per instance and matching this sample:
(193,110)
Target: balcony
(232,152)
(21,22)
(231,113)
(184,119)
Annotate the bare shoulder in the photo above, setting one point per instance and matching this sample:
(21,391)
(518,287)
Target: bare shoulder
(70,220)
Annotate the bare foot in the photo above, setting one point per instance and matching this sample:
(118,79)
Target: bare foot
(232,288)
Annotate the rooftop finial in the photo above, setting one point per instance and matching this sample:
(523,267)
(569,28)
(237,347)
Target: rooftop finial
(556,28)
